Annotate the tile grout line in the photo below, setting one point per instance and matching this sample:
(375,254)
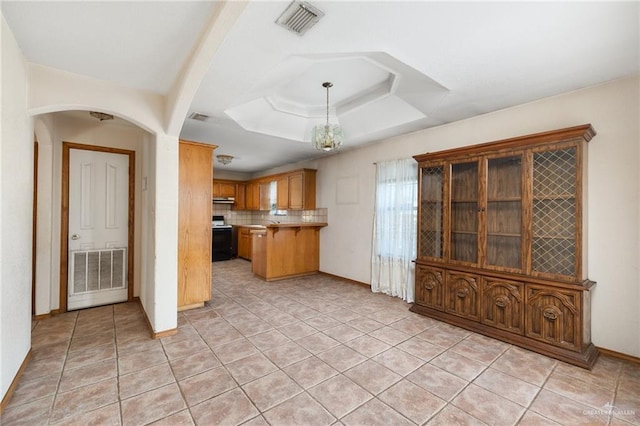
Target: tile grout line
(66,356)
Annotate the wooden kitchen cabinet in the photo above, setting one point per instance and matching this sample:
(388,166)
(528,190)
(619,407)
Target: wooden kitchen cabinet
(297,190)
(282,199)
(240,203)
(222,188)
(501,247)
(267,200)
(252,196)
(286,250)
(194,224)
(298,197)
(244,242)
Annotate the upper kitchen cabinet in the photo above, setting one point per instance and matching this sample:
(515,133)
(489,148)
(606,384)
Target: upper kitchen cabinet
(282,198)
(222,188)
(252,195)
(241,200)
(297,190)
(502,241)
(267,195)
(294,190)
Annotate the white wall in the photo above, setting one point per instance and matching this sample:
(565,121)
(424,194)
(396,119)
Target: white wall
(163,303)
(16,204)
(52,130)
(613,199)
(52,90)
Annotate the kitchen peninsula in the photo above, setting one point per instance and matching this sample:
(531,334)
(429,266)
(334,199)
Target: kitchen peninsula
(286,250)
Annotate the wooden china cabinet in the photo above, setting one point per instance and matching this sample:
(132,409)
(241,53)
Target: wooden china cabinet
(502,242)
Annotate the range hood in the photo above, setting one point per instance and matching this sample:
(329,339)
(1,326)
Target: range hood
(223,200)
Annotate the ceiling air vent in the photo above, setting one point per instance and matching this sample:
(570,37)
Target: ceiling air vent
(199,117)
(299,16)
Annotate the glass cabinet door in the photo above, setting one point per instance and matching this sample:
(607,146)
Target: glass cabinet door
(431,235)
(464,212)
(504,212)
(554,212)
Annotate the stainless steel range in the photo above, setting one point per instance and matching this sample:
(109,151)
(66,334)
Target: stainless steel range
(221,240)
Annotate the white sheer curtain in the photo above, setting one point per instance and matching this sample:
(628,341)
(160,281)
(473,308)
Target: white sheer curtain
(394,228)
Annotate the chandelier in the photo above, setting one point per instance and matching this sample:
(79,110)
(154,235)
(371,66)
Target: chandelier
(224,159)
(327,137)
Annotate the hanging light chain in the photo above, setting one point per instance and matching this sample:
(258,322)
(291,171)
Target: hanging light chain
(327,85)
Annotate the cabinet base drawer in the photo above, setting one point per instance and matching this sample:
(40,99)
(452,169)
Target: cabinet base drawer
(584,358)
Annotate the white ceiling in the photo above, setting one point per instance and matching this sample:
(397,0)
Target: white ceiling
(396,66)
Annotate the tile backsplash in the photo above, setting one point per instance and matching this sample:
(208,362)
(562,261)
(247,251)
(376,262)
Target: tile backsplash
(247,217)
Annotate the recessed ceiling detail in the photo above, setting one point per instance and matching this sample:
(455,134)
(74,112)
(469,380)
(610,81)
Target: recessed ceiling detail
(289,101)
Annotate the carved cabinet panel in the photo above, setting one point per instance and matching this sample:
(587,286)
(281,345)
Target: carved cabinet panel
(461,295)
(553,316)
(503,304)
(429,287)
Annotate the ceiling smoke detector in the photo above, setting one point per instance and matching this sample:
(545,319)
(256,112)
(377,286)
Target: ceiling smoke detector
(299,17)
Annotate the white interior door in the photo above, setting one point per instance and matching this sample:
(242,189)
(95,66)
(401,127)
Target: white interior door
(98,228)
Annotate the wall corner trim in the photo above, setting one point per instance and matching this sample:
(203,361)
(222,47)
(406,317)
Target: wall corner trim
(154,335)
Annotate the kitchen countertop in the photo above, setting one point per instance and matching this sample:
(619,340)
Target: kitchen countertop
(286,225)
(297,225)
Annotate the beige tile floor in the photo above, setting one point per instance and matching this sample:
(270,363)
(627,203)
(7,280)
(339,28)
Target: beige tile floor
(302,352)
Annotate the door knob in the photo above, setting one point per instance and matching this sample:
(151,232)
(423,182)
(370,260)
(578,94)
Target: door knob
(75,237)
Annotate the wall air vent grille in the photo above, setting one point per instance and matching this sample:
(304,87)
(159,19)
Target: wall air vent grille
(199,117)
(299,17)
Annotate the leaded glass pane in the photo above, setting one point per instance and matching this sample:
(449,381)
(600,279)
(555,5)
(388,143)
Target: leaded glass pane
(431,226)
(554,212)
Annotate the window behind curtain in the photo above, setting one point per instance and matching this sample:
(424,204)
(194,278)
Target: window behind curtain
(394,230)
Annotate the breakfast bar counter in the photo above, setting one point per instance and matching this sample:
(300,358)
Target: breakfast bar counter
(285,250)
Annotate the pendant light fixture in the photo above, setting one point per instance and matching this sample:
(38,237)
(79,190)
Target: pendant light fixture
(327,137)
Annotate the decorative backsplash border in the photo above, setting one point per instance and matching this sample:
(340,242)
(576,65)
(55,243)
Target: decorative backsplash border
(247,217)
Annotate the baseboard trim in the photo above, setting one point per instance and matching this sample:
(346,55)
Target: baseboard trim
(42,316)
(165,333)
(347,280)
(619,355)
(192,306)
(14,382)
(45,316)
(152,332)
